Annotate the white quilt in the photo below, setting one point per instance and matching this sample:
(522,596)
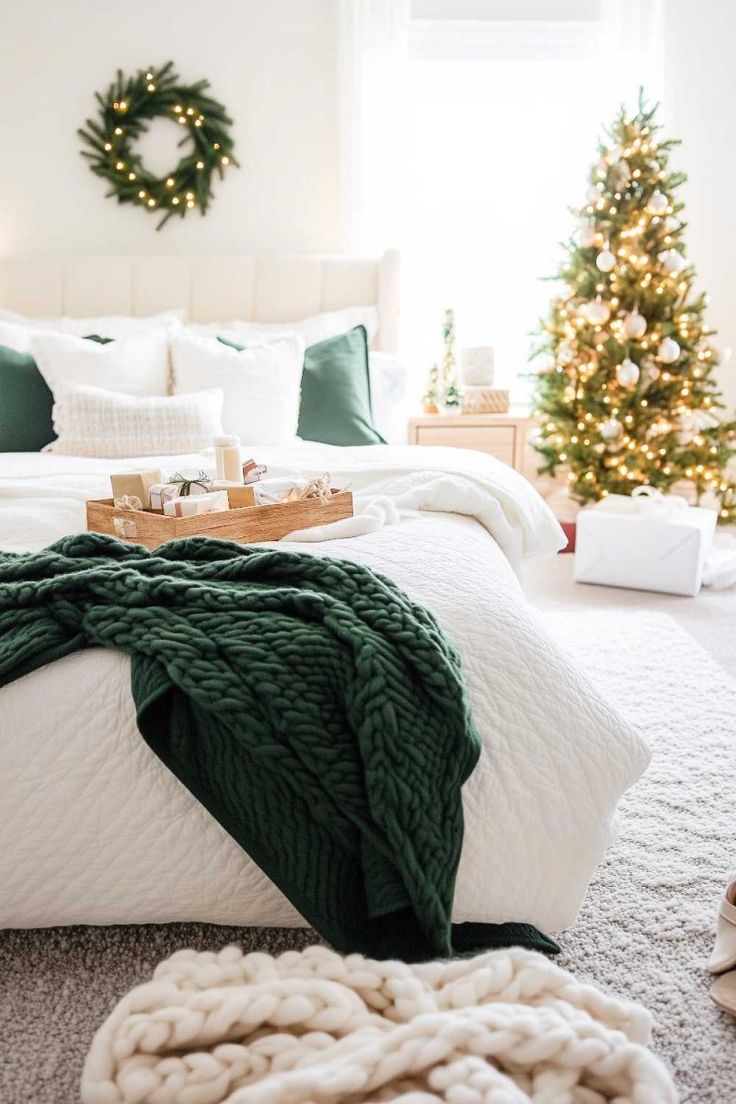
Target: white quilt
(94,829)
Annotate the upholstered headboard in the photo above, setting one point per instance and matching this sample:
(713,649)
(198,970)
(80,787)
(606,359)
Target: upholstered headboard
(268,288)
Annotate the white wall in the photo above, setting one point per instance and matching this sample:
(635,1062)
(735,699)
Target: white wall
(700,108)
(271,62)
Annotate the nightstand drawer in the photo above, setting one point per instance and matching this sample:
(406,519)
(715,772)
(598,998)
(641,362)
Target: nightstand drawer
(497,440)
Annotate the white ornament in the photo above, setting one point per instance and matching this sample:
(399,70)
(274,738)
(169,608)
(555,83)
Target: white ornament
(658,203)
(672,261)
(586,236)
(596,313)
(621,174)
(627,373)
(668,351)
(605,260)
(593,193)
(635,325)
(610,429)
(565,353)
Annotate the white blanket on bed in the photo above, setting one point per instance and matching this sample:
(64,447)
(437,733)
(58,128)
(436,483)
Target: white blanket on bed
(96,830)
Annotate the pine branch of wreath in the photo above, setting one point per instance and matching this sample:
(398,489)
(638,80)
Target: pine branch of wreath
(126,110)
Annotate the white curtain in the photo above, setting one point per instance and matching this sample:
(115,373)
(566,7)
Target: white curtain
(373,55)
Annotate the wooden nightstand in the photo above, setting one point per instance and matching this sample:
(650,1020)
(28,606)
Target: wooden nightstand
(505,436)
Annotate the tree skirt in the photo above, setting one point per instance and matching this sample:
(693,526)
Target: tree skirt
(507,1027)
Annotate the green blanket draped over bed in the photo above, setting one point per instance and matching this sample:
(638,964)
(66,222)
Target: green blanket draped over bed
(315,710)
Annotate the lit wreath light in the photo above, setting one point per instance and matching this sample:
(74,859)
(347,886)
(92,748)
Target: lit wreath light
(126,110)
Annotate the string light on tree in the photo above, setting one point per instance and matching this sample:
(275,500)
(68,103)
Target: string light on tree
(632,397)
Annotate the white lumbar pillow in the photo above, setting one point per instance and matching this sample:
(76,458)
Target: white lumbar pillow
(115,325)
(136,365)
(261,384)
(91,421)
(317,328)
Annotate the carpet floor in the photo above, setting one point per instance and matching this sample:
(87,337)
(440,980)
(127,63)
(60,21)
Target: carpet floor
(645,930)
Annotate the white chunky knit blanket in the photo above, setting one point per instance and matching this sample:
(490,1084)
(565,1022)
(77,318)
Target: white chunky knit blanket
(313,1027)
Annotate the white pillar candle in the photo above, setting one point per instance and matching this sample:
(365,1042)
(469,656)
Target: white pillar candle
(476,365)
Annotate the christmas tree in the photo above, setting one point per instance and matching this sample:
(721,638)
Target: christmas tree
(627,393)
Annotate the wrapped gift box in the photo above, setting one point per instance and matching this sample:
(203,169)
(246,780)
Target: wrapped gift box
(646,542)
(189,505)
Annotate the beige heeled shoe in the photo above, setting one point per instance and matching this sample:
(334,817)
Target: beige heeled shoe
(723,959)
(724,952)
(723,992)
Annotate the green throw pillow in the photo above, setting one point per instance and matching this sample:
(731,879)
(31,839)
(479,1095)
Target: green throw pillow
(336,391)
(26,402)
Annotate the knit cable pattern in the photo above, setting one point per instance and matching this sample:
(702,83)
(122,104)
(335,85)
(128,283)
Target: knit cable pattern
(312,1027)
(315,710)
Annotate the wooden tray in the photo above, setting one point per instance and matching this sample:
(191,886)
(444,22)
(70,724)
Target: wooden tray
(249,524)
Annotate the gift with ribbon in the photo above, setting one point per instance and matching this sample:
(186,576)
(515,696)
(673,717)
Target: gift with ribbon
(253,472)
(199,483)
(136,484)
(188,505)
(180,484)
(645,541)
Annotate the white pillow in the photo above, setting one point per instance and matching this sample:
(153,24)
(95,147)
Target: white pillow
(91,421)
(391,409)
(133,365)
(111,326)
(317,328)
(261,385)
(18,337)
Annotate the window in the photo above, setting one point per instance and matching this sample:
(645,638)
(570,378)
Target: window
(502,120)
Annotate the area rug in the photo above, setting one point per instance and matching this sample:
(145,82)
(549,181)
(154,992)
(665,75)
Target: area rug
(647,925)
(645,930)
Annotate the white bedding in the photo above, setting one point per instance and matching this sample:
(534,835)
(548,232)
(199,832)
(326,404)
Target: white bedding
(96,830)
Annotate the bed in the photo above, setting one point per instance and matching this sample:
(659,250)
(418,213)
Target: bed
(95,829)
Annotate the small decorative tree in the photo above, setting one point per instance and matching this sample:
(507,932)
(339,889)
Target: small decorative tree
(628,396)
(431,397)
(451,393)
(443,387)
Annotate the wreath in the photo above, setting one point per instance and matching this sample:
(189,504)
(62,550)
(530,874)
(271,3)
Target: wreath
(126,110)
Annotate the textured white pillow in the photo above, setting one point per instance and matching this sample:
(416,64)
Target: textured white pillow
(261,385)
(115,325)
(317,328)
(133,365)
(91,421)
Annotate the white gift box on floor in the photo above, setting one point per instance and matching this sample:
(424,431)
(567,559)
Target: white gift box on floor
(645,542)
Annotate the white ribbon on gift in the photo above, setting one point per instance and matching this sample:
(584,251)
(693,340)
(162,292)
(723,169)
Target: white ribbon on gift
(127,502)
(644,501)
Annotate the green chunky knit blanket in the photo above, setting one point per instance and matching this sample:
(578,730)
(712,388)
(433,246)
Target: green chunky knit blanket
(313,708)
